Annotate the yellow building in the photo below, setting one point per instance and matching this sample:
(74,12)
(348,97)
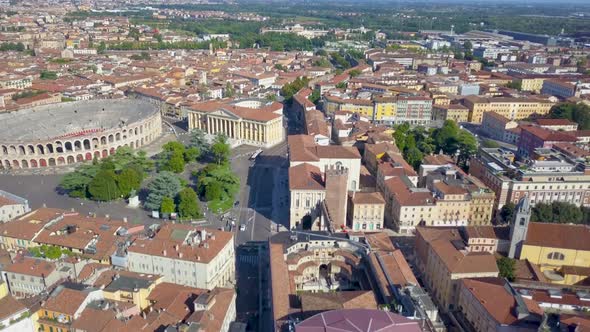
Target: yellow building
(561,251)
(131,287)
(455,112)
(385,108)
(3,289)
(533,84)
(511,108)
(443,265)
(63,307)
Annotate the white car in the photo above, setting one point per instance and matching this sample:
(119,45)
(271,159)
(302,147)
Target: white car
(242,227)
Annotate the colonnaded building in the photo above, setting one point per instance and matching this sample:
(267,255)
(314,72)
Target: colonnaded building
(67,133)
(248,121)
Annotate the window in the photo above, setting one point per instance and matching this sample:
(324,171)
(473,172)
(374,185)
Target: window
(556,256)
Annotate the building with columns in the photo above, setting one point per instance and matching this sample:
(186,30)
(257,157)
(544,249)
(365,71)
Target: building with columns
(251,121)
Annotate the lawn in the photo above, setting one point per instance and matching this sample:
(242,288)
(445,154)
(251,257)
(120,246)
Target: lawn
(224,205)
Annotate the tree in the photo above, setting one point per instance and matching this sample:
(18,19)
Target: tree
(506,266)
(341,85)
(400,135)
(517,85)
(414,157)
(48,75)
(172,157)
(191,154)
(213,191)
(188,204)
(354,73)
(104,186)
(220,149)
(229,91)
(507,213)
(315,96)
(165,184)
(198,140)
(558,212)
(167,206)
(578,113)
(128,180)
(75,184)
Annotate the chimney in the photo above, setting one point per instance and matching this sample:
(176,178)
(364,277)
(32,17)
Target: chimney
(179,255)
(164,252)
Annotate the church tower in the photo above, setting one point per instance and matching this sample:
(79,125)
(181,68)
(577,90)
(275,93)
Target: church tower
(519,227)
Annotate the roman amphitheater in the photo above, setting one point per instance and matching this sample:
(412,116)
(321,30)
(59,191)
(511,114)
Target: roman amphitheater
(68,133)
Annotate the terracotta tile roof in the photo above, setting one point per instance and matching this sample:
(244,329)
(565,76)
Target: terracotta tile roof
(31,267)
(305,177)
(548,134)
(174,299)
(404,196)
(27,226)
(558,236)
(450,190)
(367,198)
(263,115)
(441,240)
(496,300)
(6,201)
(279,279)
(67,301)
(438,159)
(164,241)
(303,148)
(86,230)
(10,306)
(93,320)
(212,319)
(316,302)
(554,122)
(476,232)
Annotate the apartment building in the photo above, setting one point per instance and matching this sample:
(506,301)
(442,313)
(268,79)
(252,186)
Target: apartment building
(556,177)
(500,128)
(303,149)
(534,137)
(12,206)
(455,112)
(366,211)
(30,276)
(416,110)
(492,304)
(443,263)
(559,88)
(186,255)
(511,108)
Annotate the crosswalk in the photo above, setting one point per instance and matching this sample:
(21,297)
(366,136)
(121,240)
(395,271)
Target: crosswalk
(248,259)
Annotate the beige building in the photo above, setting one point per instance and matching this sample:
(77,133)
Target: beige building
(12,206)
(455,112)
(307,191)
(251,122)
(490,305)
(443,262)
(366,211)
(511,108)
(184,255)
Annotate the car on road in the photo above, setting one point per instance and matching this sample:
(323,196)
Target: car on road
(237,203)
(242,227)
